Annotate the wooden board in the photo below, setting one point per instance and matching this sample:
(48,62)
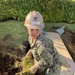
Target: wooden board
(68,67)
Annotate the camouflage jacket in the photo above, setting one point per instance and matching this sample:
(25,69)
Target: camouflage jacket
(43,51)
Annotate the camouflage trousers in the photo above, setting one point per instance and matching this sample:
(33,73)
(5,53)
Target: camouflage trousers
(53,71)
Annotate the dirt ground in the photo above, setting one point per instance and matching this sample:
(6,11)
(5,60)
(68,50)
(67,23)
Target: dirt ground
(12,57)
(7,62)
(68,39)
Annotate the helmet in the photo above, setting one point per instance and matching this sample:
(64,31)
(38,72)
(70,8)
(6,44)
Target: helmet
(34,20)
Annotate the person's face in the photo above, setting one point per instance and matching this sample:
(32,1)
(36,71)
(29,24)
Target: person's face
(34,33)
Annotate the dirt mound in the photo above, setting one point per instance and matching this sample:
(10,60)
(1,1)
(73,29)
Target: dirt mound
(11,55)
(7,66)
(68,38)
(8,45)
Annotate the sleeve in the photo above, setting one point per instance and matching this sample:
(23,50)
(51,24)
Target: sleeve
(46,58)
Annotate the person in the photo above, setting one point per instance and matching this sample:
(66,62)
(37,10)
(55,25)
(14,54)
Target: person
(46,57)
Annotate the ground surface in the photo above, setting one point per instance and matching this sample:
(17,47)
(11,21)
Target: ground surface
(12,57)
(5,61)
(68,38)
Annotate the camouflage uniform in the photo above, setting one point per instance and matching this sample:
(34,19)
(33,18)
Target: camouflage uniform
(43,51)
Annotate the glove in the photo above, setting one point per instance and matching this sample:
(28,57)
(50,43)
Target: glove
(35,67)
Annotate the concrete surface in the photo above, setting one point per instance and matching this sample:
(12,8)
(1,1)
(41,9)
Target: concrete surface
(68,67)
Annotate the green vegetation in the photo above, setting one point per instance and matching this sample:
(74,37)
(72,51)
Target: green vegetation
(26,63)
(52,10)
(70,27)
(19,32)
(73,0)
(15,28)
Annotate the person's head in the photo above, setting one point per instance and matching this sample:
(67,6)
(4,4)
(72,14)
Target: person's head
(34,23)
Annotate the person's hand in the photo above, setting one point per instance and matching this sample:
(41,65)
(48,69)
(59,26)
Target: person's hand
(35,67)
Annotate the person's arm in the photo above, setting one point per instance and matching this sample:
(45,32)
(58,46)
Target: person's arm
(35,67)
(29,53)
(45,58)
(48,54)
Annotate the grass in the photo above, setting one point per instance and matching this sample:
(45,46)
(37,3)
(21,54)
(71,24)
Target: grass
(70,27)
(19,32)
(16,28)
(73,0)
